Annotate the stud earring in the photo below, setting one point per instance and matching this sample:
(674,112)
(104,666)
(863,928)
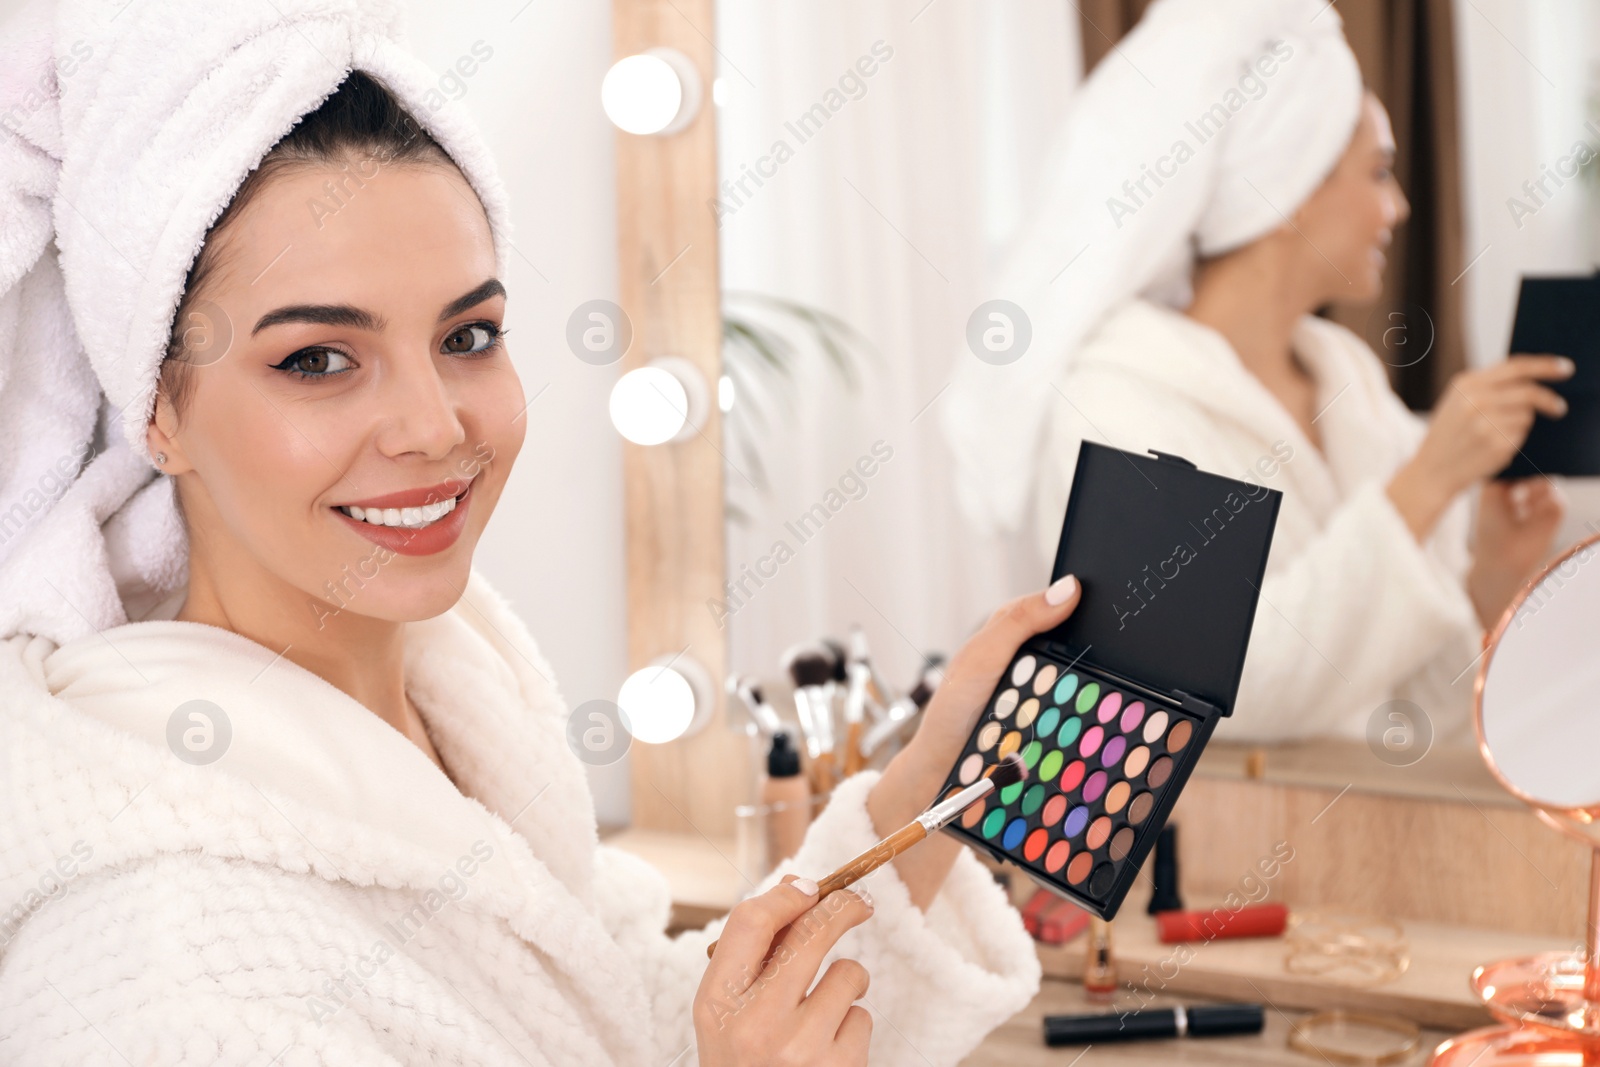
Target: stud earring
(161,458)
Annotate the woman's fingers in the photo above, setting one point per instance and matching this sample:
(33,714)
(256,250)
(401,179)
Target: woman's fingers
(1521,365)
(810,937)
(854,1036)
(752,927)
(991,648)
(844,983)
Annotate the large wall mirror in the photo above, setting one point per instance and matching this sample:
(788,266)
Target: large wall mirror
(880,165)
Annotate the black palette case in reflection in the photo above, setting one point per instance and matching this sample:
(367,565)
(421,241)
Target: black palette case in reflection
(1111,709)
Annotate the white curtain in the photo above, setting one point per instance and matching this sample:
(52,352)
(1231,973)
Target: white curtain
(894,143)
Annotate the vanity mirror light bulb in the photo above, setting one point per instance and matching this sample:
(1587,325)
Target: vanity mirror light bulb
(661,402)
(656,92)
(668,698)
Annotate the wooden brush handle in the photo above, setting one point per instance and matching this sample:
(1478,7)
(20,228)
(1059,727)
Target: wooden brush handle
(823,774)
(852,749)
(872,859)
(863,865)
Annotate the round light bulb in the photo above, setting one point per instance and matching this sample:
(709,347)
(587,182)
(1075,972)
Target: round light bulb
(726,394)
(654,92)
(649,406)
(659,703)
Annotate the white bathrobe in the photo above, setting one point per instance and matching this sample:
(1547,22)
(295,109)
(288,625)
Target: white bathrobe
(323,894)
(1353,612)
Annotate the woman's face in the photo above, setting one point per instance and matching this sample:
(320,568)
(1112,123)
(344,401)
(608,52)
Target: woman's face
(355,363)
(1349,221)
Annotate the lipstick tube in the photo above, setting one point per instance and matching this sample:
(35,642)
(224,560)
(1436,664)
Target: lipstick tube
(1261,920)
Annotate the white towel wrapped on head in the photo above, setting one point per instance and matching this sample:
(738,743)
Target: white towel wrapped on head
(128,125)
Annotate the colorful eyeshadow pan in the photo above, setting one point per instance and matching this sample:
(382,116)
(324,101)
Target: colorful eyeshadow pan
(1095,787)
(1098,759)
(1065,688)
(1154,727)
(1048,722)
(1005,704)
(1132,716)
(1072,777)
(970,817)
(1181,732)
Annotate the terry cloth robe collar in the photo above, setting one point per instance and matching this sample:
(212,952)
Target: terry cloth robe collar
(1174,353)
(313,780)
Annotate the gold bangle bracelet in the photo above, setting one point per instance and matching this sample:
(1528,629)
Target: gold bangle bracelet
(1409,1033)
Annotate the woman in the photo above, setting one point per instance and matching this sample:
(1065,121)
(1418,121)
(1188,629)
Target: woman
(1371,594)
(315,803)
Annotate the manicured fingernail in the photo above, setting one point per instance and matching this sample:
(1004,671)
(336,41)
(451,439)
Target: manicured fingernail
(806,886)
(866,897)
(1061,591)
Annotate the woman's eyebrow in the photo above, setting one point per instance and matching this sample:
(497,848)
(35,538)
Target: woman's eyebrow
(361,318)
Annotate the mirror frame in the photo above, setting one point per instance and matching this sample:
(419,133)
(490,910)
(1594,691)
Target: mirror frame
(1553,814)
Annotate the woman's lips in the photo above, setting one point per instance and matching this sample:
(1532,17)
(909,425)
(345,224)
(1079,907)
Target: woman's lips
(424,541)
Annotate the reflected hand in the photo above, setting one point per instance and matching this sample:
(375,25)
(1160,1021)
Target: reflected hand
(1517,521)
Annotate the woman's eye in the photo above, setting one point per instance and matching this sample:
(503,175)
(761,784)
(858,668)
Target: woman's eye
(315,363)
(474,339)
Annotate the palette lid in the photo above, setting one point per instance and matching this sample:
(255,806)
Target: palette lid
(1171,559)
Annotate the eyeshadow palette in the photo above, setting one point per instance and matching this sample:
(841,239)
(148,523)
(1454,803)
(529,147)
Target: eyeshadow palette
(1111,710)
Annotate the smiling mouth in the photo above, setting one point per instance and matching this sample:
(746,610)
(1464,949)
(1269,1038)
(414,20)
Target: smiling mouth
(417,518)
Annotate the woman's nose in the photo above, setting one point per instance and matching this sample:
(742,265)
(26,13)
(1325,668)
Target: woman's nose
(419,412)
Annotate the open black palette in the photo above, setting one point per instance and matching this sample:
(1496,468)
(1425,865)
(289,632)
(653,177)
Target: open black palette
(1560,316)
(1112,709)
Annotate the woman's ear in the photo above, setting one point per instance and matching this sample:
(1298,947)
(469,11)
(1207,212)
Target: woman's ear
(161,435)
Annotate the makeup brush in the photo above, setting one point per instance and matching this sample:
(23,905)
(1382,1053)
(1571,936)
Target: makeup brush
(858,669)
(838,685)
(810,669)
(904,711)
(1008,771)
(761,714)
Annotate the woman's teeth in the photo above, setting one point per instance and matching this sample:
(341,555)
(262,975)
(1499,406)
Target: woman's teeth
(409,518)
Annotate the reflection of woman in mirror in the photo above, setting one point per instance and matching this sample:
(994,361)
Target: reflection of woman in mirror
(1264,191)
(285,779)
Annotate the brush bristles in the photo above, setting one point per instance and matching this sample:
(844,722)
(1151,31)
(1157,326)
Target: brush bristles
(808,666)
(1009,771)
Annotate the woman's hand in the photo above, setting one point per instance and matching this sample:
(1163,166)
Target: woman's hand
(913,777)
(1479,424)
(752,1008)
(1516,523)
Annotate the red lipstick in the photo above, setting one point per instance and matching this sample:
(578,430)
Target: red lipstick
(423,541)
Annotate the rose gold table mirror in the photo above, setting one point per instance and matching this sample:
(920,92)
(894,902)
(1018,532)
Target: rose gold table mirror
(1538,726)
